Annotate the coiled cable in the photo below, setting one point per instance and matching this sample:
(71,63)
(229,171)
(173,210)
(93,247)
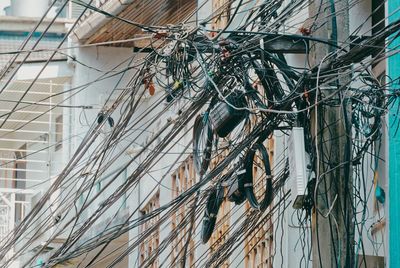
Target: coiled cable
(202,143)
(247,183)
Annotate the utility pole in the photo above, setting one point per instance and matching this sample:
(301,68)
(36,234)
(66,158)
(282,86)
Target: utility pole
(332,217)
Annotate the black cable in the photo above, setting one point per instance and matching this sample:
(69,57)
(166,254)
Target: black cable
(214,201)
(247,180)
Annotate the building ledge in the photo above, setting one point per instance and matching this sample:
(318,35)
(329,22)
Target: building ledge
(94,21)
(26,24)
(98,28)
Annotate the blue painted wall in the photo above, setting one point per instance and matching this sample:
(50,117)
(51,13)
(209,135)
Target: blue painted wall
(394,151)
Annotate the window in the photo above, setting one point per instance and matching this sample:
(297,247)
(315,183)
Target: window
(7,173)
(182,179)
(20,168)
(151,242)
(20,182)
(59,132)
(259,244)
(221,230)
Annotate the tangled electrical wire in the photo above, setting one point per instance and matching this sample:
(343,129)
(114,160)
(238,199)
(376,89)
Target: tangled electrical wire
(229,91)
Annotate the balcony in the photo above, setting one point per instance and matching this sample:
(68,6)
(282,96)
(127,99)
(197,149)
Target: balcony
(14,206)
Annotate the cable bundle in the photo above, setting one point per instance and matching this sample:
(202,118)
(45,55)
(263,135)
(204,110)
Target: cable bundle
(238,89)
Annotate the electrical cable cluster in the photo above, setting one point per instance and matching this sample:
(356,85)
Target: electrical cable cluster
(229,90)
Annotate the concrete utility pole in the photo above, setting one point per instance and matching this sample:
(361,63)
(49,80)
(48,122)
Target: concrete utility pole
(332,218)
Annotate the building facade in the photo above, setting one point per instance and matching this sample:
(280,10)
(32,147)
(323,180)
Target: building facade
(94,65)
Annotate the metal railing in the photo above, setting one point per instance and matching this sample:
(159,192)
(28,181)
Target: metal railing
(12,211)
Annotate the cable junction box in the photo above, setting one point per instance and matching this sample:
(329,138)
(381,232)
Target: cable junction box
(225,117)
(297,167)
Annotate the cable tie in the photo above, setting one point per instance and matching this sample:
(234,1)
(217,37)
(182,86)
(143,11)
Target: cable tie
(240,172)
